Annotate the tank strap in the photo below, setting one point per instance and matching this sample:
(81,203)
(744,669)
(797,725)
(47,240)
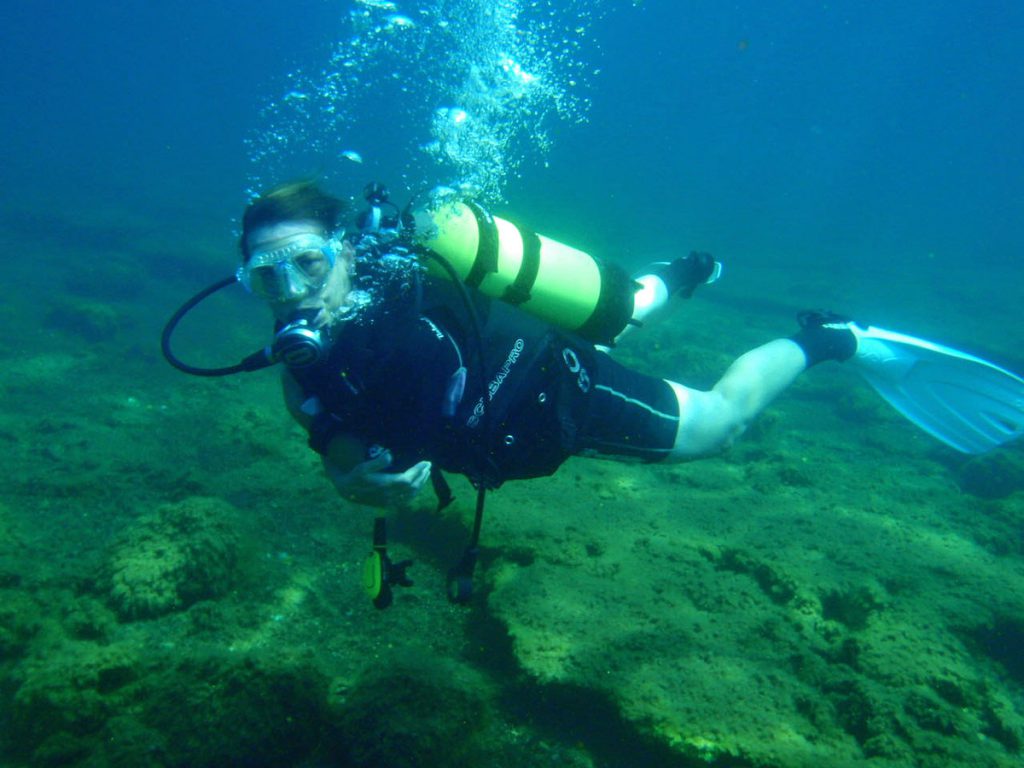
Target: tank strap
(486,260)
(519,291)
(614,306)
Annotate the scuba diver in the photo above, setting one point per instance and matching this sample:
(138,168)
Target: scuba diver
(440,338)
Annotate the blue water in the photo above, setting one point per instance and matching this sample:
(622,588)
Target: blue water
(837,131)
(863,130)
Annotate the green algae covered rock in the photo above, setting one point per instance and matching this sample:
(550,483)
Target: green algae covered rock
(119,705)
(737,619)
(10,548)
(66,697)
(181,553)
(406,715)
(222,709)
(19,616)
(91,320)
(993,476)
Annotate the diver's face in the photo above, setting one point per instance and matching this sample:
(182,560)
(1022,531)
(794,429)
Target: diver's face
(294,265)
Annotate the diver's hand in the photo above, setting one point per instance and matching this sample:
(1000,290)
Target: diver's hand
(368,483)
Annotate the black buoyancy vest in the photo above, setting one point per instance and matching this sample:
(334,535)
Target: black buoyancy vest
(392,381)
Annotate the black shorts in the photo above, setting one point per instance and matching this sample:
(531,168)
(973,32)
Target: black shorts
(572,399)
(627,414)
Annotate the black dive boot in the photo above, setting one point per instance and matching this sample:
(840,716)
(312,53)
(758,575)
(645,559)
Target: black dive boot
(683,275)
(825,336)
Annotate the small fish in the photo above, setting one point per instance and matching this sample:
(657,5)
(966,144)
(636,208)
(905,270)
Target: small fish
(295,96)
(351,154)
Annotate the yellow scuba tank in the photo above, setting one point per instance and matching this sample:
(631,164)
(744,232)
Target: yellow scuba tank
(550,280)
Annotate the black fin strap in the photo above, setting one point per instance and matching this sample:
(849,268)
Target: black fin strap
(824,336)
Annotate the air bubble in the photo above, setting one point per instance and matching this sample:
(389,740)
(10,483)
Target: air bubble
(515,69)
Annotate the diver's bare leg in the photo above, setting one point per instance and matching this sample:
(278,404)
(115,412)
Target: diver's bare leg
(711,421)
(658,283)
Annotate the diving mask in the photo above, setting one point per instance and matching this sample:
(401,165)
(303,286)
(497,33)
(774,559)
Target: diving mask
(291,268)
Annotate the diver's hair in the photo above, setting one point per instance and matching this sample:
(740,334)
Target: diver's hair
(294,201)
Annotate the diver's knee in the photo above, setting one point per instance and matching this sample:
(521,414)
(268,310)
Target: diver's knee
(708,423)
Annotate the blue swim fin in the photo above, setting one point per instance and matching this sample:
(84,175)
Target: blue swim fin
(967,403)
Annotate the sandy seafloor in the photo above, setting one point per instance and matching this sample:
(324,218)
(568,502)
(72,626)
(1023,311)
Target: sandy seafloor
(180,586)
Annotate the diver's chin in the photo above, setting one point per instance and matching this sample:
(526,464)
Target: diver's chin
(321,318)
(327,316)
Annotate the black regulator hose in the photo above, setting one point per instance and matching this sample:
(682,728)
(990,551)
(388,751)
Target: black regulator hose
(460,576)
(253,362)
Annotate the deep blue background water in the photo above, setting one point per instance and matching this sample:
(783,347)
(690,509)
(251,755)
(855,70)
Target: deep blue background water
(798,130)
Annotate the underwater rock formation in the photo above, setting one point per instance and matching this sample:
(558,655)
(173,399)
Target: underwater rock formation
(755,623)
(181,553)
(993,476)
(65,698)
(18,623)
(429,713)
(89,704)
